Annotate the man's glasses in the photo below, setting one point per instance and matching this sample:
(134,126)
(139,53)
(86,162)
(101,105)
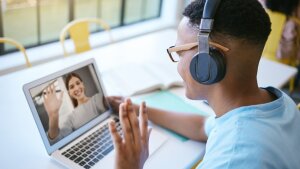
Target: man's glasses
(174,50)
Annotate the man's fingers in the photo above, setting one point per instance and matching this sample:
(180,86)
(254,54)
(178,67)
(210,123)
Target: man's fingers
(127,131)
(115,135)
(143,122)
(115,98)
(134,122)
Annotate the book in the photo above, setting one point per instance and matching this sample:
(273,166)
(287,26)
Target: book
(138,78)
(164,99)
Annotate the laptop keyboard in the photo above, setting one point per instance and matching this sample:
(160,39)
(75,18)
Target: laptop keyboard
(93,148)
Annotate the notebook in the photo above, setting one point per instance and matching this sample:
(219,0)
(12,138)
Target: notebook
(72,114)
(140,78)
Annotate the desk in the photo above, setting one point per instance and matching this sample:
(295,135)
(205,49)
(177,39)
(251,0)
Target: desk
(21,144)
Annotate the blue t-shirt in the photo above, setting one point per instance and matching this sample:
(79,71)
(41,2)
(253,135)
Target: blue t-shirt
(264,136)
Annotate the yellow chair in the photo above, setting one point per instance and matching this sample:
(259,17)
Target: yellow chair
(79,33)
(18,46)
(278,21)
(272,44)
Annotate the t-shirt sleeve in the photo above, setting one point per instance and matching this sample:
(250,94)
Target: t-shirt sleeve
(209,124)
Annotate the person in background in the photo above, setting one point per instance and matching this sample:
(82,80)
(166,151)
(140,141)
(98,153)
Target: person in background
(289,45)
(252,127)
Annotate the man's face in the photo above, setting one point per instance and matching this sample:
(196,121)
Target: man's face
(186,34)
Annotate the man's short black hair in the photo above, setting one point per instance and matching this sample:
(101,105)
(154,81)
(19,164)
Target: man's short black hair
(242,19)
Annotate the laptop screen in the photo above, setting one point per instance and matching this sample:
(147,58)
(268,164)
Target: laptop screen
(67,102)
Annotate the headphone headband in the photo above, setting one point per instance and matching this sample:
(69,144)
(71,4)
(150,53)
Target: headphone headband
(210,9)
(206,24)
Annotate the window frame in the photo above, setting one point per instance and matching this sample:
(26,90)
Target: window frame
(71,9)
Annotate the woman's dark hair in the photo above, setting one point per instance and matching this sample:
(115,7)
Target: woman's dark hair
(68,78)
(242,19)
(284,6)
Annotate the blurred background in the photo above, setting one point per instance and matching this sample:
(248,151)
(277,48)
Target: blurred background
(38,22)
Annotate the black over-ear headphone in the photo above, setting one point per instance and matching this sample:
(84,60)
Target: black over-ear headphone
(208,65)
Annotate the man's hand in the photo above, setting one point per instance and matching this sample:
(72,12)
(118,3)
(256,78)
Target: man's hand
(115,102)
(133,149)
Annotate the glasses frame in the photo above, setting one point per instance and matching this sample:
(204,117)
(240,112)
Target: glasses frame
(190,46)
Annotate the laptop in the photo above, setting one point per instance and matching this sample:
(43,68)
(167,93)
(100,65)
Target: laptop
(72,114)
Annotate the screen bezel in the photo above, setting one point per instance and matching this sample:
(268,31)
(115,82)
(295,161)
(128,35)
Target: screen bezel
(61,143)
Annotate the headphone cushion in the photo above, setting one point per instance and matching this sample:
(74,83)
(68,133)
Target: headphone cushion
(208,68)
(218,68)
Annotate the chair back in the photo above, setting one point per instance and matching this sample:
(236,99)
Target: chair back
(79,33)
(272,44)
(19,46)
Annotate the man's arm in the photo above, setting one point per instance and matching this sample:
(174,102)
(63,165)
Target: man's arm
(188,125)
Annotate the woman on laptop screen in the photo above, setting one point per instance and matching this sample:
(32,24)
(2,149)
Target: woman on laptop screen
(85,108)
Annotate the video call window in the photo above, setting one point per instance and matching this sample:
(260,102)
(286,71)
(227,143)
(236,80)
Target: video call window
(68,102)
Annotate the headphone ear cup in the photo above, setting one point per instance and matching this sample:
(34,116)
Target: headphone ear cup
(200,66)
(218,66)
(208,68)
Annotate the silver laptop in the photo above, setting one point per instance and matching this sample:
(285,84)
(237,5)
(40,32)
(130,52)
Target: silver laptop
(72,114)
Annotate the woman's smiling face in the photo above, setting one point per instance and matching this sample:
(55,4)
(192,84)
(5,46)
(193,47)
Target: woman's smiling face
(76,88)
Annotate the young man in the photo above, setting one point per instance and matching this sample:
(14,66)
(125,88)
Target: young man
(252,128)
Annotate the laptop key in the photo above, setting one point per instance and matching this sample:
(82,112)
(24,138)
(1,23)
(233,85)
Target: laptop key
(78,159)
(87,167)
(67,155)
(91,163)
(109,149)
(73,157)
(95,160)
(82,163)
(91,156)
(87,159)
(99,156)
(99,150)
(116,120)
